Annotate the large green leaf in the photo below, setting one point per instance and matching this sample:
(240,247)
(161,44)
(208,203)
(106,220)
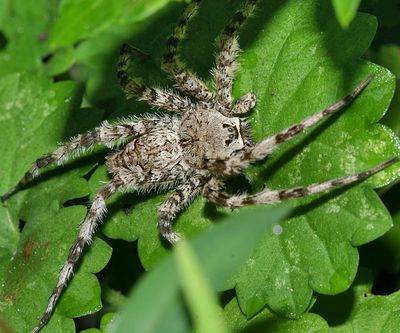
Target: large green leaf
(308,63)
(34,114)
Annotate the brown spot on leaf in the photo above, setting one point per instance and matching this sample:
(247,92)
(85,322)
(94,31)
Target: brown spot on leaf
(28,249)
(8,297)
(4,327)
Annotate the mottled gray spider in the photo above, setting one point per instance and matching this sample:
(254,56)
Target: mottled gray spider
(203,142)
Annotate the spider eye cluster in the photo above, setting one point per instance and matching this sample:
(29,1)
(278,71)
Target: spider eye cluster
(233,133)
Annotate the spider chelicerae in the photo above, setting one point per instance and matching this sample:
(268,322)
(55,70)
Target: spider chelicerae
(194,149)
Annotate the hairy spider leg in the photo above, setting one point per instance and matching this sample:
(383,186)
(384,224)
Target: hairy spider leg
(267,146)
(186,80)
(86,230)
(105,134)
(133,87)
(212,191)
(261,150)
(178,200)
(226,61)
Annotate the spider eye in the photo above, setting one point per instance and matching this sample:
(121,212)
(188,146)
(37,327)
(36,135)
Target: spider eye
(228,142)
(225,125)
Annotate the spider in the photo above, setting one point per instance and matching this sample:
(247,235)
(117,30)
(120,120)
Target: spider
(204,140)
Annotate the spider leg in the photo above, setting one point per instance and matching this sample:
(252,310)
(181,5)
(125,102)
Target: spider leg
(86,230)
(268,145)
(224,71)
(228,51)
(187,81)
(156,97)
(178,200)
(106,134)
(244,104)
(212,189)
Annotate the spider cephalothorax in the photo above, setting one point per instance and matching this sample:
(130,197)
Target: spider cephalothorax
(209,135)
(194,149)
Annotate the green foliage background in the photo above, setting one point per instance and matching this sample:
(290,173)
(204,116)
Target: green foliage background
(57,79)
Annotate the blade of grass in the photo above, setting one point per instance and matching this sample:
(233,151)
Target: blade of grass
(345,11)
(201,299)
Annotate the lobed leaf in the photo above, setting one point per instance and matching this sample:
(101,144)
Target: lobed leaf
(356,310)
(307,64)
(363,311)
(35,112)
(267,321)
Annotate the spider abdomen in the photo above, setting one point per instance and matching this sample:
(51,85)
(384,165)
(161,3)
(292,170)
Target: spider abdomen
(149,159)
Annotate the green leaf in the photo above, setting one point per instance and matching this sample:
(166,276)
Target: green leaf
(35,112)
(85,18)
(156,301)
(356,310)
(361,310)
(61,61)
(267,321)
(345,11)
(297,65)
(106,320)
(25,26)
(84,294)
